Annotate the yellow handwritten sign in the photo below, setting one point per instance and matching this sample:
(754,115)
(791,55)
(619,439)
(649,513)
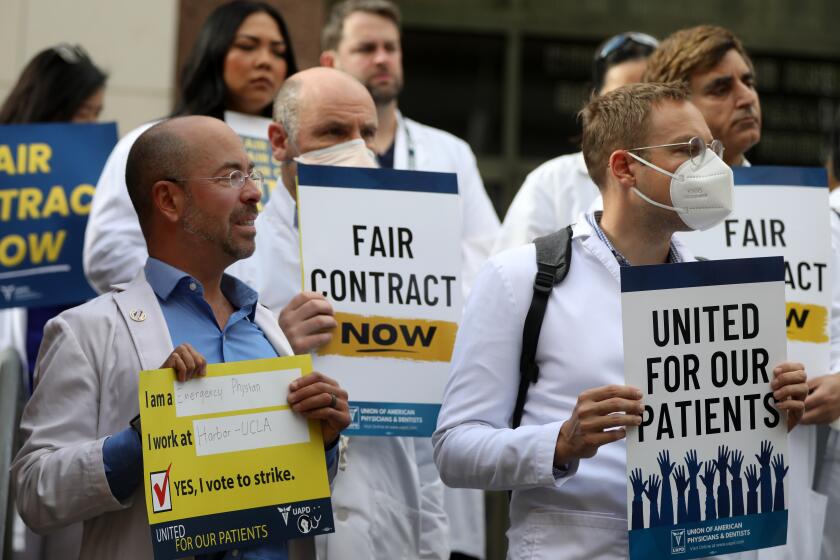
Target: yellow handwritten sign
(225,456)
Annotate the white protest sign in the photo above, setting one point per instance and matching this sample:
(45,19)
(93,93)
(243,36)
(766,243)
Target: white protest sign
(384,247)
(783,211)
(707,468)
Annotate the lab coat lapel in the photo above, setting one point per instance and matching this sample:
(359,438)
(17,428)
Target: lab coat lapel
(401,144)
(143,316)
(267,323)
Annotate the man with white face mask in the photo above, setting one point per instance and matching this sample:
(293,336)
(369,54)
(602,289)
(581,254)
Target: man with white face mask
(388,497)
(650,153)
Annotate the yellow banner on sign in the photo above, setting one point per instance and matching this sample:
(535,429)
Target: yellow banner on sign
(391,337)
(228,441)
(806,322)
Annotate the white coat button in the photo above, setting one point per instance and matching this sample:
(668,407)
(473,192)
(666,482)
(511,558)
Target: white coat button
(341,514)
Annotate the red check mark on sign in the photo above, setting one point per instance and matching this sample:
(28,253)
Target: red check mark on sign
(160,490)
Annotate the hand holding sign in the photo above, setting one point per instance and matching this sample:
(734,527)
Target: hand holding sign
(790,388)
(823,404)
(317,397)
(187,362)
(308,321)
(593,420)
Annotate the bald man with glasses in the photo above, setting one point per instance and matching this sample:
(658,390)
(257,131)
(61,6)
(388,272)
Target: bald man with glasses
(196,194)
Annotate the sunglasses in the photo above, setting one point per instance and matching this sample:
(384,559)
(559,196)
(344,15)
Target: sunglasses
(624,42)
(71,54)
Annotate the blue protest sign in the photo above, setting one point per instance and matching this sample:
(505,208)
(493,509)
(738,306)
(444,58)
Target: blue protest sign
(48,174)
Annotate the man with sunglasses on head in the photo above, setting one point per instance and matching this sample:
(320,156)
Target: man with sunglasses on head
(81,459)
(557,191)
(714,65)
(636,139)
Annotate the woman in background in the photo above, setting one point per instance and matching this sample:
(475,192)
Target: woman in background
(60,84)
(241,58)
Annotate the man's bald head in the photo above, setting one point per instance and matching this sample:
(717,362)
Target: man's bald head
(164,152)
(312,91)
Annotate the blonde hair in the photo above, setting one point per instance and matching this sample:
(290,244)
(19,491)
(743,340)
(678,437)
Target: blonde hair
(692,50)
(619,120)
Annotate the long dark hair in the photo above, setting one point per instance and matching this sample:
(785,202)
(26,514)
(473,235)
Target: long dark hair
(52,87)
(203,89)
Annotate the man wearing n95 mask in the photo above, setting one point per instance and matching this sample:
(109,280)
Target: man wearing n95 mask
(701,188)
(388,497)
(649,151)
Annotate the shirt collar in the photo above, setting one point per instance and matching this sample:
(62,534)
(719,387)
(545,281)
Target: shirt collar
(165,279)
(594,220)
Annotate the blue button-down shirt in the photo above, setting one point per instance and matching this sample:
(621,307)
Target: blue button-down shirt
(190,319)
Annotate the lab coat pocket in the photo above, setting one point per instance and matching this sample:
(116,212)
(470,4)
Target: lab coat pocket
(395,526)
(352,513)
(573,535)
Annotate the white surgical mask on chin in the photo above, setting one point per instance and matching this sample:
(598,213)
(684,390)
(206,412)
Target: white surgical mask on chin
(701,194)
(353,153)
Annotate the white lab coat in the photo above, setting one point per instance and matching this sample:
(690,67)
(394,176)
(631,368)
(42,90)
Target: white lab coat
(114,246)
(388,498)
(580,515)
(551,197)
(13,331)
(828,482)
(86,390)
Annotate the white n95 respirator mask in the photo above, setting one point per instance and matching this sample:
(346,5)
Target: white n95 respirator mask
(353,153)
(700,193)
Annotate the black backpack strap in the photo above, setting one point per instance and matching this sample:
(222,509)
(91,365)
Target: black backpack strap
(554,254)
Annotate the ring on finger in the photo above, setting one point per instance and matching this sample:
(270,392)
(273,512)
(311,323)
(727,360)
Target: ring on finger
(333,401)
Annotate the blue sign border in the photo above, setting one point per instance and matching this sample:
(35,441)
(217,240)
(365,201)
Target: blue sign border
(374,178)
(774,175)
(392,419)
(702,273)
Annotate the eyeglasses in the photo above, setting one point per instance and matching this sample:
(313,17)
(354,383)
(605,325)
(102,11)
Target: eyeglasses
(626,41)
(236,179)
(696,148)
